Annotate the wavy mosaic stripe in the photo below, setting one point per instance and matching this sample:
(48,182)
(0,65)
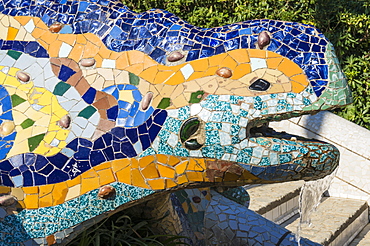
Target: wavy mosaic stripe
(166,33)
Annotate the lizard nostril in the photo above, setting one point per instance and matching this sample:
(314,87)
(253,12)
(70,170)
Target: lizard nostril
(260,85)
(187,130)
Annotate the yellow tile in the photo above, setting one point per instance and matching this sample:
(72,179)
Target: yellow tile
(46,201)
(124,175)
(106,177)
(150,171)
(170,183)
(4,189)
(273,63)
(180,168)
(297,88)
(88,184)
(196,75)
(211,71)
(81,39)
(89,174)
(166,171)
(12,32)
(195,176)
(31,201)
(23,20)
(194,166)
(157,184)
(200,65)
(102,166)
(240,56)
(301,79)
(45,189)
(162,76)
(120,164)
(146,160)
(73,192)
(59,193)
(67,38)
(162,158)
(215,60)
(77,52)
(122,61)
(135,57)
(182,179)
(134,163)
(136,68)
(137,179)
(173,160)
(30,190)
(49,37)
(185,206)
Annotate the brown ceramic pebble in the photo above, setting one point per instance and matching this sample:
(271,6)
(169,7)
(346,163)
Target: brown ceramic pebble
(56,27)
(224,72)
(22,76)
(147,99)
(263,39)
(7,200)
(175,56)
(65,121)
(197,199)
(6,128)
(87,62)
(106,192)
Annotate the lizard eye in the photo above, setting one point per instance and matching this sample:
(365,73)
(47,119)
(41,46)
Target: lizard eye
(260,85)
(188,129)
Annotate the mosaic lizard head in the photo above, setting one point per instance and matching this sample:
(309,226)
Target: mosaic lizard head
(150,101)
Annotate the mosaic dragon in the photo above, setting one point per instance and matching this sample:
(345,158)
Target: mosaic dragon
(104,109)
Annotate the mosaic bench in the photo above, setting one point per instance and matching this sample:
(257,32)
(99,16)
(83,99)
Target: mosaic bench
(103,109)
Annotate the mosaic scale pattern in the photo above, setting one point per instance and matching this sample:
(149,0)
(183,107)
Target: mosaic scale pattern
(101,107)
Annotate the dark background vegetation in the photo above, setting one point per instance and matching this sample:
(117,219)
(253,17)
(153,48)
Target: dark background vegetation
(346,23)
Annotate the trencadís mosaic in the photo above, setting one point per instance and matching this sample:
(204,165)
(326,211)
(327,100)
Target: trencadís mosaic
(101,107)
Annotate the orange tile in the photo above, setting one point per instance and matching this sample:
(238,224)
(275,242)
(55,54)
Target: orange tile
(23,20)
(146,160)
(194,166)
(76,53)
(54,49)
(46,201)
(81,39)
(273,63)
(106,176)
(135,57)
(12,33)
(150,172)
(301,79)
(49,37)
(195,176)
(134,163)
(137,179)
(38,32)
(166,171)
(195,75)
(240,55)
(173,160)
(29,190)
(176,79)
(68,38)
(149,62)
(162,76)
(104,165)
(296,87)
(215,60)
(124,175)
(157,184)
(59,193)
(253,53)
(228,62)
(289,68)
(104,52)
(136,68)
(149,74)
(241,70)
(122,61)
(200,65)
(90,50)
(211,71)
(31,201)
(88,184)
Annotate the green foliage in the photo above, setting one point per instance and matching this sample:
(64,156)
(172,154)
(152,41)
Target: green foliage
(346,23)
(121,230)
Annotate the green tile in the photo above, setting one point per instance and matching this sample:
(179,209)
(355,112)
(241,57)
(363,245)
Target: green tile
(27,123)
(61,88)
(34,141)
(16,100)
(196,97)
(165,103)
(87,112)
(14,54)
(134,80)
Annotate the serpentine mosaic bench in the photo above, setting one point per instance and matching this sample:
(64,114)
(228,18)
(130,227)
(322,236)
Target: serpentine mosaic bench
(104,109)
